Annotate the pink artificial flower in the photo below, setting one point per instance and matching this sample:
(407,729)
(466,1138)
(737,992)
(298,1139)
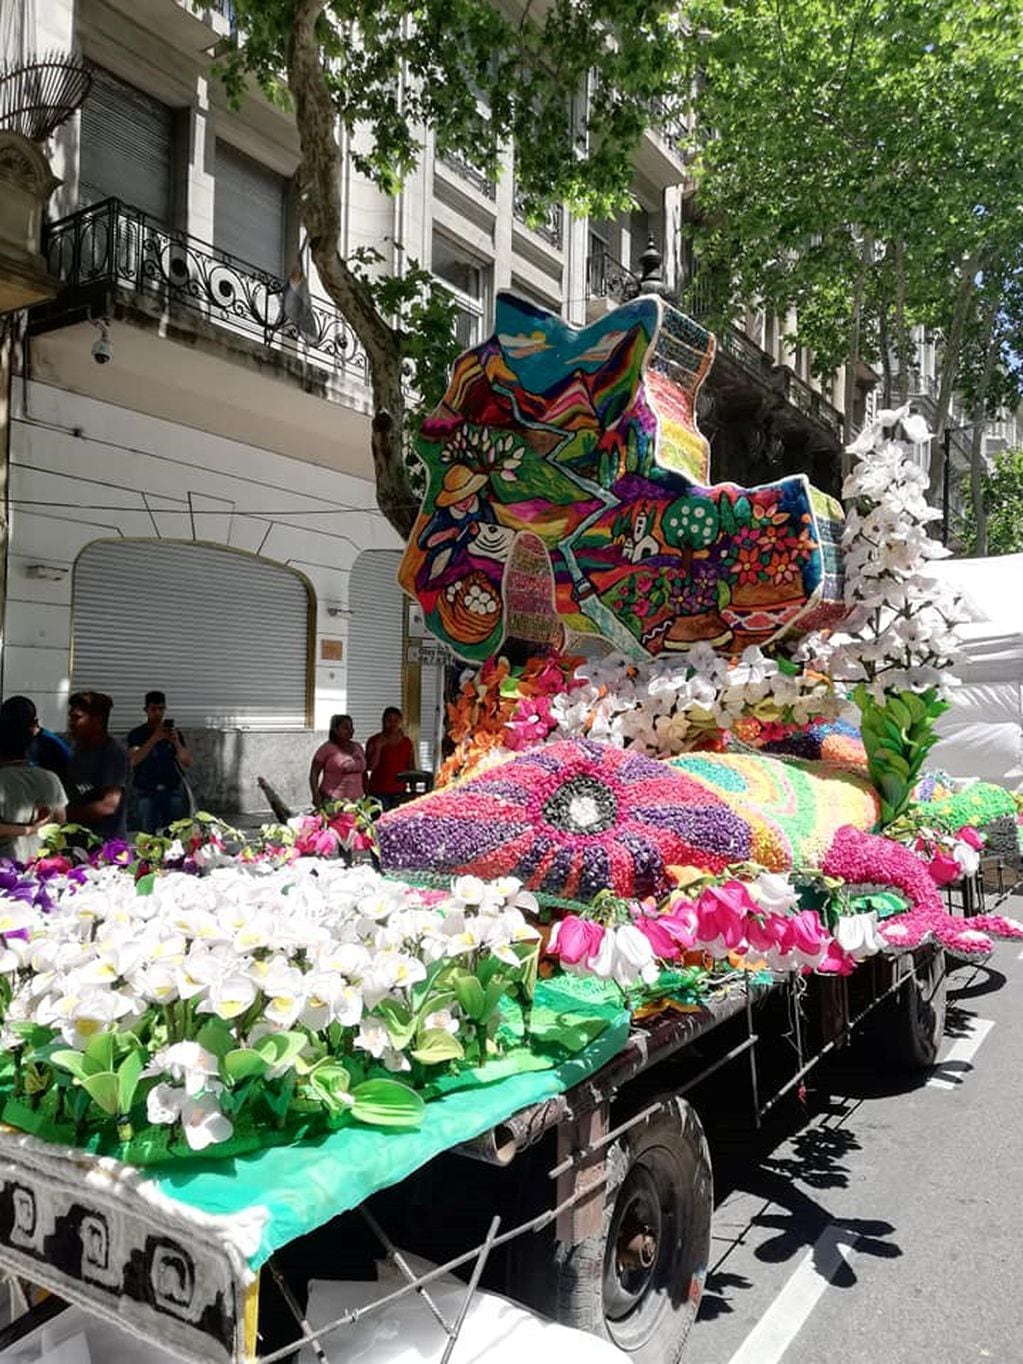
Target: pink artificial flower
(969,835)
(870,859)
(835,962)
(768,935)
(574,940)
(319,841)
(530,724)
(808,938)
(656,932)
(55,865)
(721,913)
(997,925)
(944,868)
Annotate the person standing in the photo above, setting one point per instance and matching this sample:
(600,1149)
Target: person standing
(98,772)
(29,796)
(158,757)
(45,749)
(336,771)
(388,753)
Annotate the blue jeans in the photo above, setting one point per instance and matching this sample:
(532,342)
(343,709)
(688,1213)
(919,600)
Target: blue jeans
(157,809)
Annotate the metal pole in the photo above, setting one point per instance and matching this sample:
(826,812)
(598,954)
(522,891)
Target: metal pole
(945,481)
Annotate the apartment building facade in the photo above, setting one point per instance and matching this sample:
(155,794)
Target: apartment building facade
(189,480)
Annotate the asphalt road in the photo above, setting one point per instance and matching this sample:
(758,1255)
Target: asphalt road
(887,1228)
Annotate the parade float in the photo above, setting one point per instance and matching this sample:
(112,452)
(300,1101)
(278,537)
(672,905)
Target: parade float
(686,778)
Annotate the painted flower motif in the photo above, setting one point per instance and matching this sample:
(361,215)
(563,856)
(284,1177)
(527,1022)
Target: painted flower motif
(569,819)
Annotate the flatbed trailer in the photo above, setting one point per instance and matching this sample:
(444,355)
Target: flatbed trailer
(620,1189)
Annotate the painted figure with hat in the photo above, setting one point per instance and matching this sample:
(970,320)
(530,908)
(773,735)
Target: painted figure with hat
(460,518)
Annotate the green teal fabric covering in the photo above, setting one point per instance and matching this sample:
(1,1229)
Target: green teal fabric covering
(304,1186)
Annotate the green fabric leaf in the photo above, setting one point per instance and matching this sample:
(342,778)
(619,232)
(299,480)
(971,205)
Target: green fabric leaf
(102,1088)
(129,1072)
(73,1061)
(435,1045)
(243,1063)
(387,1103)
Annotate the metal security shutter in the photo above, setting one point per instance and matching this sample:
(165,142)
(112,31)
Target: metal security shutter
(431,692)
(126,149)
(225,635)
(249,210)
(376,603)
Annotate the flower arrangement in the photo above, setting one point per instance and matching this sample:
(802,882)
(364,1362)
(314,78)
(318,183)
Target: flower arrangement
(678,704)
(186,1014)
(500,710)
(899,640)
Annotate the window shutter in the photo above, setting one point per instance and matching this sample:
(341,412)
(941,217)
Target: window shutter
(126,148)
(225,635)
(249,209)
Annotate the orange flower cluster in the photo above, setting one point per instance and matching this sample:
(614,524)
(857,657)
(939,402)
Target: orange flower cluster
(488,703)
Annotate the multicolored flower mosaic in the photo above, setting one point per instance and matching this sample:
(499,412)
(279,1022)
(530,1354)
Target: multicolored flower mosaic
(571,819)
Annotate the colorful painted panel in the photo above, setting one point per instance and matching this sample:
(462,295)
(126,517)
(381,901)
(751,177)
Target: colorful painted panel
(587,440)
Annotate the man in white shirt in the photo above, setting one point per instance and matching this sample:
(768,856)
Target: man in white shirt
(29,796)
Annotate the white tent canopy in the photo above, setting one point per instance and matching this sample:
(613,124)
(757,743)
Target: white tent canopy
(982,733)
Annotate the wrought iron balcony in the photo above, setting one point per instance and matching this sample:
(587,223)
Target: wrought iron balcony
(551,227)
(609,278)
(111,249)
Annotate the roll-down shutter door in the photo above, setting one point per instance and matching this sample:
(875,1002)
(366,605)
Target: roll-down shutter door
(249,208)
(225,635)
(126,147)
(374,674)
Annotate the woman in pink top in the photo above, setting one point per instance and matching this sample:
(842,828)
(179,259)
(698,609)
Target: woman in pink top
(337,767)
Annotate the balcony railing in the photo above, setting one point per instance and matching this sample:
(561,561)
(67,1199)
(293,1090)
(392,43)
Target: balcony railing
(113,247)
(465,170)
(669,122)
(551,227)
(609,278)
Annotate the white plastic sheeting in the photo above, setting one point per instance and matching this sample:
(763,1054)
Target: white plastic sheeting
(982,733)
(495,1331)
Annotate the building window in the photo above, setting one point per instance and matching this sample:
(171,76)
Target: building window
(219,664)
(468,282)
(127,141)
(250,210)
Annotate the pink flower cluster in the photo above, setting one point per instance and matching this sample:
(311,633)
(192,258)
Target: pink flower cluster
(725,921)
(326,836)
(868,859)
(950,857)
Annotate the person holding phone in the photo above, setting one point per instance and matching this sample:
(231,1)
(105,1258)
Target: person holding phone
(158,756)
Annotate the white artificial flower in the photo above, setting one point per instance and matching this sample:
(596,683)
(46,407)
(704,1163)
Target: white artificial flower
(203,1123)
(373,1037)
(774,892)
(187,1063)
(443,1020)
(857,935)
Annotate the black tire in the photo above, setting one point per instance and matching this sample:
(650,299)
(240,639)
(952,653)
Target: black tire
(639,1282)
(918,1020)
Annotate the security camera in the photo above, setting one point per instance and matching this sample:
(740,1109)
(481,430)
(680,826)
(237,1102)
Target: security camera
(102,351)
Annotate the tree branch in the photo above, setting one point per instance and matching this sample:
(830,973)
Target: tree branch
(319,179)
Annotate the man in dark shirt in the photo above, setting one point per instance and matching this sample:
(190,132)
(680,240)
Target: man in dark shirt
(98,771)
(158,756)
(46,749)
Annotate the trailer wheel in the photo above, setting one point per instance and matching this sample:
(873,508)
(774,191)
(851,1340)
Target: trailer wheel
(918,1021)
(638,1282)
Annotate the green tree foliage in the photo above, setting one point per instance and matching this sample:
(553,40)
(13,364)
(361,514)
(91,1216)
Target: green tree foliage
(864,166)
(1002,491)
(568,83)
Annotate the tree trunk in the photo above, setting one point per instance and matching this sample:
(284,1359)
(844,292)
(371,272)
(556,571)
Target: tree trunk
(884,345)
(979,415)
(319,183)
(902,349)
(950,369)
(853,361)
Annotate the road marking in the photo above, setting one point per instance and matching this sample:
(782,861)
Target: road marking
(960,1054)
(783,1320)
